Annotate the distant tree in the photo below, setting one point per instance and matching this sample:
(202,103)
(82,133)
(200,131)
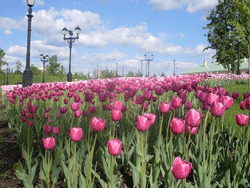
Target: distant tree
(2,62)
(163,74)
(222,33)
(154,75)
(130,74)
(54,66)
(35,70)
(18,67)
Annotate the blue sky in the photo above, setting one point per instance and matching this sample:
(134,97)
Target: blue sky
(113,31)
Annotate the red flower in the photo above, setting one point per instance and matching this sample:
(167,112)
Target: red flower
(241,119)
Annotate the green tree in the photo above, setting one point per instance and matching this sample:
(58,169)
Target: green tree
(18,67)
(35,70)
(54,66)
(2,61)
(130,74)
(222,33)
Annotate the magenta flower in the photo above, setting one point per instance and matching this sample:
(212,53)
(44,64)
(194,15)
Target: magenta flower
(63,110)
(228,101)
(193,118)
(212,97)
(77,113)
(47,129)
(151,118)
(76,134)
(116,114)
(241,119)
(56,130)
(235,95)
(181,169)
(164,107)
(117,105)
(217,109)
(46,115)
(92,109)
(192,129)
(242,105)
(177,126)
(176,102)
(65,101)
(142,123)
(188,105)
(49,143)
(98,124)
(115,147)
(75,106)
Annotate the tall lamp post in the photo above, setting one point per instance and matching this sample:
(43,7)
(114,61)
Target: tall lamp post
(27,74)
(238,67)
(7,80)
(141,67)
(44,59)
(174,66)
(70,40)
(148,60)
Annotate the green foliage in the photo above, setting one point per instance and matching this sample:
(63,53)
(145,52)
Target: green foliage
(222,33)
(54,66)
(18,67)
(35,70)
(2,62)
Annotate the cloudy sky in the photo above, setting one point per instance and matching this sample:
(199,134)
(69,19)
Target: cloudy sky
(112,31)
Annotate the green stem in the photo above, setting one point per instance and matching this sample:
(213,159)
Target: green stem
(48,173)
(211,149)
(204,137)
(237,143)
(29,158)
(112,171)
(188,142)
(91,159)
(176,184)
(159,140)
(142,155)
(74,175)
(169,120)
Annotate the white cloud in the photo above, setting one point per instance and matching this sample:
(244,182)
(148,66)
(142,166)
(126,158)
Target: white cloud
(190,5)
(198,51)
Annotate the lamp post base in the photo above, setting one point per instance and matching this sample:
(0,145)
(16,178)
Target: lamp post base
(27,78)
(69,77)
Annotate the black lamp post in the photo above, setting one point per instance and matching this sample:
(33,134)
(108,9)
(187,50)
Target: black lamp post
(7,80)
(148,60)
(174,66)
(4,77)
(238,67)
(70,40)
(27,74)
(141,67)
(44,59)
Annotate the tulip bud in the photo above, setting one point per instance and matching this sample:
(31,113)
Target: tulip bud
(193,118)
(76,134)
(181,169)
(116,114)
(47,129)
(217,109)
(177,126)
(176,102)
(114,147)
(97,124)
(56,130)
(75,106)
(49,143)
(77,113)
(241,119)
(142,123)
(192,129)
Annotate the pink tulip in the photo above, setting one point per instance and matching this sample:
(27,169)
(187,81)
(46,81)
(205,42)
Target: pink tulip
(217,109)
(228,101)
(242,105)
(65,101)
(77,113)
(117,105)
(192,129)
(97,124)
(193,118)
(164,107)
(49,143)
(147,95)
(75,106)
(47,129)
(46,115)
(76,134)
(56,130)
(115,147)
(188,105)
(235,95)
(30,123)
(181,169)
(116,114)
(241,119)
(177,126)
(151,118)
(176,102)
(47,109)
(63,110)
(142,123)
(92,109)
(211,98)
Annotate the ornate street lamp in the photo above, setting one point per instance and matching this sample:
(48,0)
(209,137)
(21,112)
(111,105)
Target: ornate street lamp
(44,59)
(238,67)
(7,80)
(70,40)
(27,74)
(148,60)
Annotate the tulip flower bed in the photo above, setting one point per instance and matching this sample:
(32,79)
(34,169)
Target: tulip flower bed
(129,132)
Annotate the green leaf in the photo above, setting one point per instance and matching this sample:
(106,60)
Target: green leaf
(136,175)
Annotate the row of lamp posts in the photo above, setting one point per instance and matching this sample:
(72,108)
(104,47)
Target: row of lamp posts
(28,76)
